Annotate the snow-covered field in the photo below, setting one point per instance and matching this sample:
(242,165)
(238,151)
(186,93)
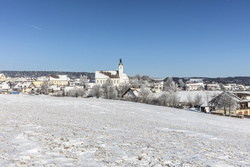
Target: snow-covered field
(54,131)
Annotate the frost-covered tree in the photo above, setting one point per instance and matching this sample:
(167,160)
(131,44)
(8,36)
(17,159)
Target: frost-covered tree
(109,91)
(174,99)
(197,100)
(164,99)
(77,92)
(170,85)
(181,83)
(170,99)
(96,91)
(84,81)
(190,101)
(145,94)
(134,82)
(122,88)
(112,93)
(45,87)
(138,76)
(146,78)
(225,101)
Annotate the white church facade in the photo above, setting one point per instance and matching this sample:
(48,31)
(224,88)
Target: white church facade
(115,77)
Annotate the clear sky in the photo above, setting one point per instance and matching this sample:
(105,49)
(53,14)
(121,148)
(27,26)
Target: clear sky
(159,38)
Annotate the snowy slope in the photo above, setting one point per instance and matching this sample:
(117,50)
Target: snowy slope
(54,131)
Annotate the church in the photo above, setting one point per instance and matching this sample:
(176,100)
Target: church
(115,77)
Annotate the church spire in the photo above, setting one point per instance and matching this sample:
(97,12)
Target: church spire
(120,62)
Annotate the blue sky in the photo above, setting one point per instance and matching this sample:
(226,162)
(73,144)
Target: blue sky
(161,38)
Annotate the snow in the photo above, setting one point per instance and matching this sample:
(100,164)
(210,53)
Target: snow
(62,131)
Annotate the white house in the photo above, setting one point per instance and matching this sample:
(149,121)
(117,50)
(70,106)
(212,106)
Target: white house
(132,93)
(157,85)
(232,87)
(25,87)
(2,77)
(213,86)
(115,77)
(195,84)
(59,80)
(5,87)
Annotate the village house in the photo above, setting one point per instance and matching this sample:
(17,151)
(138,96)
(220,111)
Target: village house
(212,86)
(59,80)
(5,87)
(194,85)
(241,87)
(40,81)
(2,77)
(11,79)
(241,99)
(131,93)
(25,87)
(157,85)
(231,87)
(115,77)
(54,89)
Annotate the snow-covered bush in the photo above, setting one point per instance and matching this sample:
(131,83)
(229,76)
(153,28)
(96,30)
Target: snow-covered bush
(170,99)
(96,91)
(77,92)
(145,95)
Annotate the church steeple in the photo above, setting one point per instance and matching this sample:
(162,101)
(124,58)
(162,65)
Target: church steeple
(120,62)
(120,68)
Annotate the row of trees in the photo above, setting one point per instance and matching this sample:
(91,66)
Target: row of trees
(168,98)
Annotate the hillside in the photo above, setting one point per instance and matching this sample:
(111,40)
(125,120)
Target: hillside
(59,131)
(238,79)
(35,74)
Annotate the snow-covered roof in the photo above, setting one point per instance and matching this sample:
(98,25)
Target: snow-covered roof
(106,74)
(58,78)
(42,78)
(125,76)
(23,85)
(4,85)
(1,74)
(194,84)
(135,91)
(196,80)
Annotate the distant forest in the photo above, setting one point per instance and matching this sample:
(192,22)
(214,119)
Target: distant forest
(226,80)
(35,74)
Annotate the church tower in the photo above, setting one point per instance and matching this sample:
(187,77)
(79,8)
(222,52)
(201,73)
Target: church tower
(121,70)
